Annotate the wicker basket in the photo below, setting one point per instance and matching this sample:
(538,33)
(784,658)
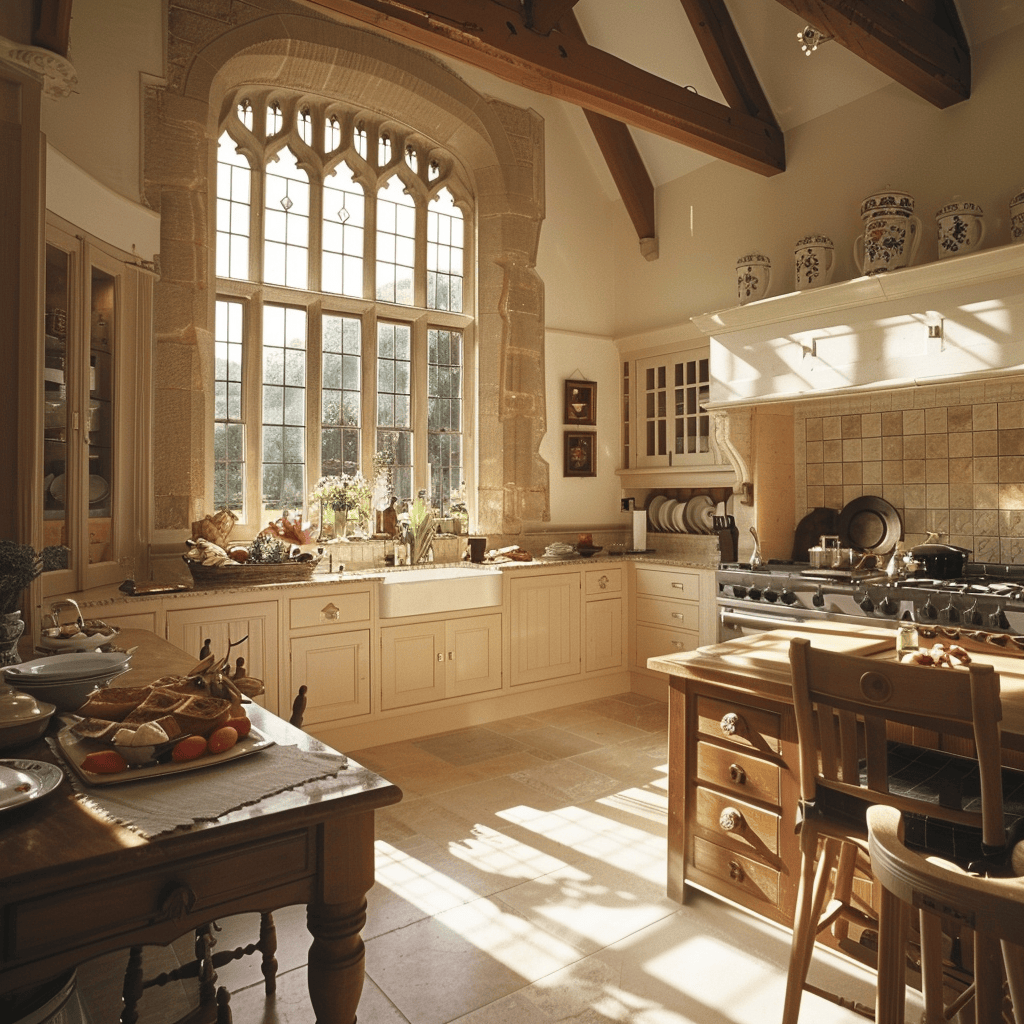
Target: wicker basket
(249,574)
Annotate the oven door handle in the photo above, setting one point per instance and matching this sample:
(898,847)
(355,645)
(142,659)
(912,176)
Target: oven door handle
(766,622)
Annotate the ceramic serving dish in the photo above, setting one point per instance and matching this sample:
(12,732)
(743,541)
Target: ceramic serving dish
(23,718)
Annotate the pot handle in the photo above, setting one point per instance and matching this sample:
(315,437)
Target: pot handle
(915,226)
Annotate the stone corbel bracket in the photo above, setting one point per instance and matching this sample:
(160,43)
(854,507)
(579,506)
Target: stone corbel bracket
(55,73)
(730,438)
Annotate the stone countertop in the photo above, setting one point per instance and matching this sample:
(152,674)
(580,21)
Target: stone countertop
(110,595)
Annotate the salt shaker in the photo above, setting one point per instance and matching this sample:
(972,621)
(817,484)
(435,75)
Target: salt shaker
(906,638)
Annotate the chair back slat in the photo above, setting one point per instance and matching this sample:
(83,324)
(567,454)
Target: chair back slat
(855,699)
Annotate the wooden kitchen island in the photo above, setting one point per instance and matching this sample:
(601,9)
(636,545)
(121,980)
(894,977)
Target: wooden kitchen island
(733,765)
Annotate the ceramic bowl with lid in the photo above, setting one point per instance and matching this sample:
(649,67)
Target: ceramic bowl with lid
(23,718)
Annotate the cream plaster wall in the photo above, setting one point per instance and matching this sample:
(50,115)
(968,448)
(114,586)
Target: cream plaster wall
(113,43)
(583,500)
(715,214)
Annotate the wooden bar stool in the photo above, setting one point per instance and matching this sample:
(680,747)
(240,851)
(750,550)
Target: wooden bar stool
(992,907)
(844,706)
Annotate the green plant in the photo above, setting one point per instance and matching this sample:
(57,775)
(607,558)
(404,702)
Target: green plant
(20,565)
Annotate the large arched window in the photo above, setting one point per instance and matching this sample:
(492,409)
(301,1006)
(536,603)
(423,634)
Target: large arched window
(343,311)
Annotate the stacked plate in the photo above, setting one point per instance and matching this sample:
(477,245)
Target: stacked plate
(668,515)
(66,680)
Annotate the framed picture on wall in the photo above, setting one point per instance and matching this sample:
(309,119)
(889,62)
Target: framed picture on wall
(580,403)
(580,453)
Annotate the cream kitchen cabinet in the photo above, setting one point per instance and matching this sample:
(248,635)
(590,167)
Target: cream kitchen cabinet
(222,623)
(335,669)
(603,619)
(667,602)
(544,626)
(436,659)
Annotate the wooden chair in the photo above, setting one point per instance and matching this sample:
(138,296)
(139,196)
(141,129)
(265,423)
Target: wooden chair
(214,1003)
(844,706)
(992,907)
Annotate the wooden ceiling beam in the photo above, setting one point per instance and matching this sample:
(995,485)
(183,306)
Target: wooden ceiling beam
(52,28)
(543,15)
(727,58)
(624,163)
(909,47)
(493,38)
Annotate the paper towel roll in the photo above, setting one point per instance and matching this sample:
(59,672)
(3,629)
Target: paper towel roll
(639,531)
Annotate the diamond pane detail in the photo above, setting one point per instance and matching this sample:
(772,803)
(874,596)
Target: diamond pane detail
(287,203)
(343,215)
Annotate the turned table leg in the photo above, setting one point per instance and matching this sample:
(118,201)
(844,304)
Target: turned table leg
(336,960)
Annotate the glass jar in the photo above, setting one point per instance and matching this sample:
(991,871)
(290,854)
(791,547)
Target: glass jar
(906,638)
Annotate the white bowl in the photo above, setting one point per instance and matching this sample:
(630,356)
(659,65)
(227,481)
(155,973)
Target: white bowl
(68,694)
(61,667)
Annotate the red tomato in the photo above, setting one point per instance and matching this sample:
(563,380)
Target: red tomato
(104,762)
(222,739)
(189,748)
(240,725)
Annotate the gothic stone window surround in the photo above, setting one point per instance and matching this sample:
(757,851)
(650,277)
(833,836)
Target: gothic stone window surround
(501,148)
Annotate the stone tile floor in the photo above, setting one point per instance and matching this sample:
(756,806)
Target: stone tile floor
(521,881)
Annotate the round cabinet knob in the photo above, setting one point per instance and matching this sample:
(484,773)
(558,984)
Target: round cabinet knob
(737,774)
(819,598)
(730,723)
(788,597)
(603,582)
(730,820)
(736,871)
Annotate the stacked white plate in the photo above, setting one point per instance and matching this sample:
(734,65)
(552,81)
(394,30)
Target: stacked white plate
(66,680)
(671,516)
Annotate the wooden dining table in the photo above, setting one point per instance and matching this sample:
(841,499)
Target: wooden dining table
(74,885)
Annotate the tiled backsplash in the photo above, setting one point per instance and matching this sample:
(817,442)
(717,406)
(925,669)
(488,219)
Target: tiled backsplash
(949,457)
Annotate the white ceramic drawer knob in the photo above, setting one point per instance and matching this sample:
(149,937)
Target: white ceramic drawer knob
(730,820)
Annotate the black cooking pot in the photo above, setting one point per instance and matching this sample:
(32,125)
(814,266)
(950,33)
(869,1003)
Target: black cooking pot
(940,561)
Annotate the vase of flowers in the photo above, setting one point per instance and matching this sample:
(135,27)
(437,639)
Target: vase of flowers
(342,495)
(19,566)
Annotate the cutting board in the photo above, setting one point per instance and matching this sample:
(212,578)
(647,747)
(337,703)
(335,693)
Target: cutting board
(817,523)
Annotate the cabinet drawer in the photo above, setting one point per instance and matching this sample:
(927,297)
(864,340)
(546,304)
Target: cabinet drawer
(754,879)
(684,585)
(662,612)
(337,609)
(85,914)
(739,772)
(652,642)
(736,821)
(603,581)
(740,724)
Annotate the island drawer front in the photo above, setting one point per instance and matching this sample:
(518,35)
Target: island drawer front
(90,913)
(737,821)
(339,609)
(662,612)
(753,777)
(739,723)
(654,642)
(684,586)
(603,581)
(756,880)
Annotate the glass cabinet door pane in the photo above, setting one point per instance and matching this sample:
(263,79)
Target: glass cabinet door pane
(99,416)
(56,413)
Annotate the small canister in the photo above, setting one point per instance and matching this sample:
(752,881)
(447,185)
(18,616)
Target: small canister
(906,639)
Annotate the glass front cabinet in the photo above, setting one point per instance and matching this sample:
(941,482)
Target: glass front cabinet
(95,458)
(670,419)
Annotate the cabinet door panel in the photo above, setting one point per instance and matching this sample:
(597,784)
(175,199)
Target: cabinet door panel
(336,672)
(412,664)
(190,628)
(474,652)
(545,628)
(604,634)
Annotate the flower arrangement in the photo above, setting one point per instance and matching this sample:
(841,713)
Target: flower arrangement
(342,495)
(20,565)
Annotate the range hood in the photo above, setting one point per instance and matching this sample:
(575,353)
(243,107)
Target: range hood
(955,319)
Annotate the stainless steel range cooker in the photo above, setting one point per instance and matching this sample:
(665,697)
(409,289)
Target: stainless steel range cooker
(779,595)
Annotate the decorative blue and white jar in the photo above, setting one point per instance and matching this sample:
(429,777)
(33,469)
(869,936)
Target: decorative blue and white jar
(815,257)
(891,233)
(961,228)
(753,276)
(1017,217)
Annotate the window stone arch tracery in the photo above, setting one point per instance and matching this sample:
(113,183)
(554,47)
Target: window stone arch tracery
(500,153)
